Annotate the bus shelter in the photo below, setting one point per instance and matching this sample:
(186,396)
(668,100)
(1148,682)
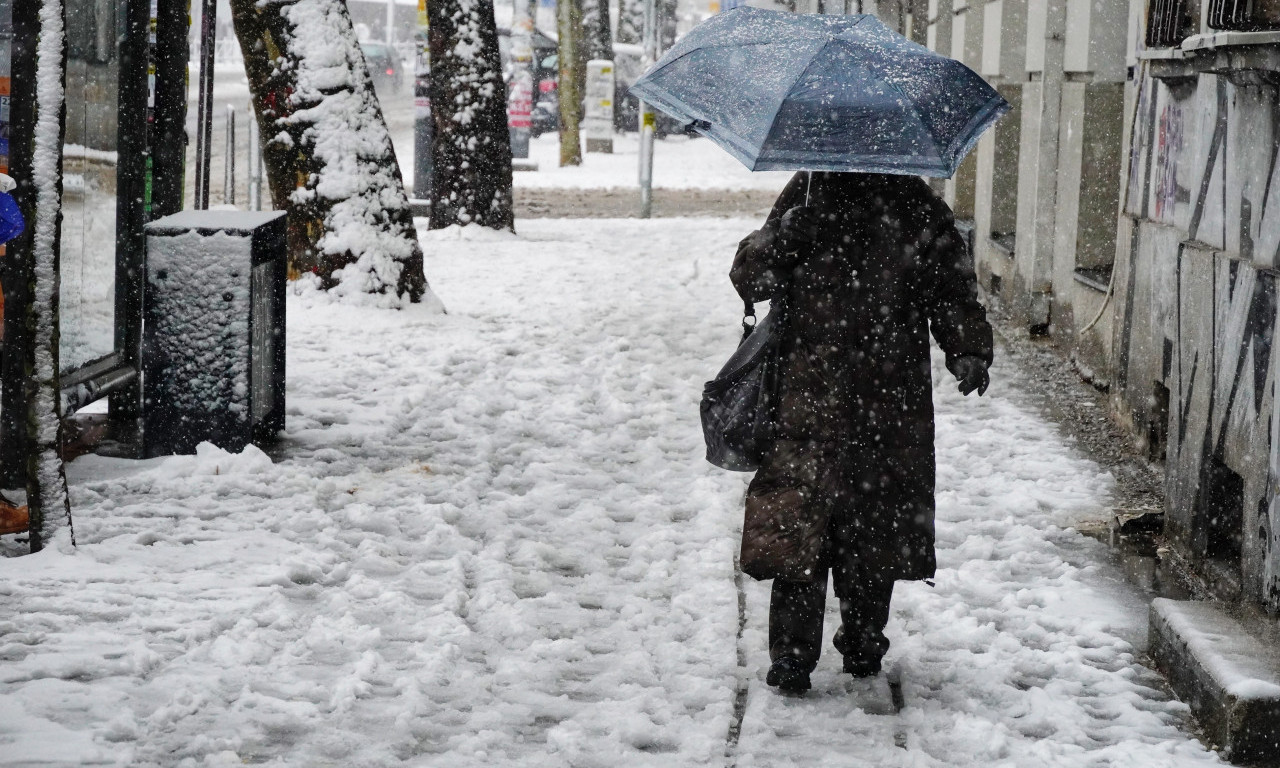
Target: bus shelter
(124,147)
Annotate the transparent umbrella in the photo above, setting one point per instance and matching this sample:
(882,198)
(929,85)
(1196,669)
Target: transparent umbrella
(788,91)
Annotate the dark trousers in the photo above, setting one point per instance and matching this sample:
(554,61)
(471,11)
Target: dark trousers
(796,610)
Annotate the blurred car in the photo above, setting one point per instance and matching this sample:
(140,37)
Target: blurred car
(546,96)
(384,64)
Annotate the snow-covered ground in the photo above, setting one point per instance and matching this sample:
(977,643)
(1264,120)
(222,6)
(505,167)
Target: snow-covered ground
(679,162)
(488,538)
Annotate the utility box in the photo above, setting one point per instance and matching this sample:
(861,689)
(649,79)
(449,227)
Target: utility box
(214,339)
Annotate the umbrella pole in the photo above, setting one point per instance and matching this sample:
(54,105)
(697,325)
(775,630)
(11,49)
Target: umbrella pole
(808,185)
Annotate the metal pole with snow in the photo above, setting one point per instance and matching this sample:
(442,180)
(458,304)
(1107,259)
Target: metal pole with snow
(647,120)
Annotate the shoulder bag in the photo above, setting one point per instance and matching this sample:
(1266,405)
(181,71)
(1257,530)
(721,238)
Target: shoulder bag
(739,404)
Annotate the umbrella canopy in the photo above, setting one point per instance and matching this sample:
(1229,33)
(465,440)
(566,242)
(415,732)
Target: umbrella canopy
(790,92)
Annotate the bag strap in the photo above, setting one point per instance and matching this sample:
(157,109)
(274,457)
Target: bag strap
(748,319)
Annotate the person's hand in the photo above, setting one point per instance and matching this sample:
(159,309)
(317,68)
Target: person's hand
(972,374)
(798,228)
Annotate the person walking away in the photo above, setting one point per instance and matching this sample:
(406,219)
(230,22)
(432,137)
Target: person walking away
(868,266)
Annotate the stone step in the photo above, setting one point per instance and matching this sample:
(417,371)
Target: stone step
(1228,676)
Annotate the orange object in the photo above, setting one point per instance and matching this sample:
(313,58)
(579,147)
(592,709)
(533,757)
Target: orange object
(13,519)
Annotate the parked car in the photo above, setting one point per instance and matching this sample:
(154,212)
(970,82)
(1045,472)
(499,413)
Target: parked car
(384,64)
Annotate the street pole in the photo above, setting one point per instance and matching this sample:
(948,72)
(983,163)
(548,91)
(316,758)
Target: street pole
(254,164)
(647,120)
(229,165)
(204,109)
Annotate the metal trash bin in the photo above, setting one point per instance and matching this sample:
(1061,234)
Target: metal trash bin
(213,347)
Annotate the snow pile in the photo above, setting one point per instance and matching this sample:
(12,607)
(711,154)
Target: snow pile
(366,209)
(209,459)
(489,539)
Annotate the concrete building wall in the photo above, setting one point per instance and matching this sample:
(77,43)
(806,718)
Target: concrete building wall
(966,46)
(1198,308)
(996,158)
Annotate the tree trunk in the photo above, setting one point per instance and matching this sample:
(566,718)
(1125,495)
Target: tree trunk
(328,154)
(572,75)
(597,29)
(471,152)
(630,21)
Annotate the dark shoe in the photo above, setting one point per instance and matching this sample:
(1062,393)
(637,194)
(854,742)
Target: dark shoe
(786,674)
(861,666)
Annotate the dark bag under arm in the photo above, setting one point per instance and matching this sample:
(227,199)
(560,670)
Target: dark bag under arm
(739,404)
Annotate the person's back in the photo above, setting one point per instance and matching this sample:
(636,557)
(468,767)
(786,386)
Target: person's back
(868,265)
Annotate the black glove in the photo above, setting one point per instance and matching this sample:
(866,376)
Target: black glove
(797,228)
(972,374)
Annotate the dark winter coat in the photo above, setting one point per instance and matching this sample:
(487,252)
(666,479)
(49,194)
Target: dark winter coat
(855,420)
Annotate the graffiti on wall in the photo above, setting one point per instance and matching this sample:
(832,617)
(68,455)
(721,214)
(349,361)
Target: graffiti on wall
(1221,375)
(1168,150)
(1196,160)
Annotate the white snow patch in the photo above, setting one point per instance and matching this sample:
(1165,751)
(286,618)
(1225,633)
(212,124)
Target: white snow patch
(489,538)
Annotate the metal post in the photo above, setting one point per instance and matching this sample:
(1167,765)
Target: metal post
(391,20)
(16,266)
(254,167)
(131,213)
(229,171)
(647,120)
(204,109)
(168,144)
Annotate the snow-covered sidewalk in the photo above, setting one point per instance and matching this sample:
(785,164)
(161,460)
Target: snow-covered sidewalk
(488,538)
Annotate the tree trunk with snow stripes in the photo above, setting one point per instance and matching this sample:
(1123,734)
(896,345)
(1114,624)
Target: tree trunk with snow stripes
(471,154)
(327,149)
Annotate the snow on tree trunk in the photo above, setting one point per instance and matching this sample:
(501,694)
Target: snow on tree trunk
(328,151)
(572,77)
(47,497)
(471,153)
(630,21)
(597,29)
